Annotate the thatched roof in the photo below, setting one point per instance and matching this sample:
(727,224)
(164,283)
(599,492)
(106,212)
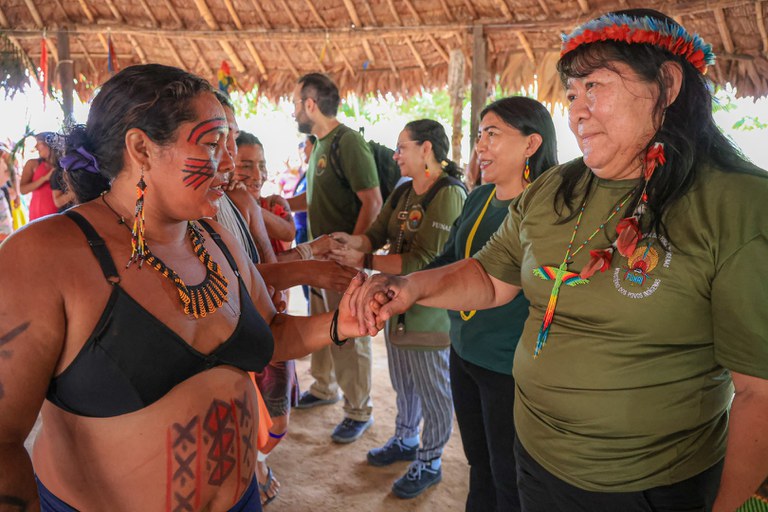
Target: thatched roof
(366,45)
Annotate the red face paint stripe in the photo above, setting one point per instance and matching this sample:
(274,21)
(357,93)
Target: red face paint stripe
(197,172)
(206,126)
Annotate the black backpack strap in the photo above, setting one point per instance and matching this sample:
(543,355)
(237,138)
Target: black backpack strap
(218,241)
(439,184)
(334,156)
(98,247)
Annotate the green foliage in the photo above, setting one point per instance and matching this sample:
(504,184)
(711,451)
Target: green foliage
(749,123)
(13,67)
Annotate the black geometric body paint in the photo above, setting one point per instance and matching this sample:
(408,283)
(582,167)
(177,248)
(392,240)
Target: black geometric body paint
(197,171)
(207,126)
(222,440)
(6,354)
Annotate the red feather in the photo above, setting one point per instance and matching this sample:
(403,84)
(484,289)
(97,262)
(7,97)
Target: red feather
(599,260)
(629,236)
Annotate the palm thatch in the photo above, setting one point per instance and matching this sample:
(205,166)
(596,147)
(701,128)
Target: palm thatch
(367,46)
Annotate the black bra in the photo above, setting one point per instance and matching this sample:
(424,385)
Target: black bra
(132,359)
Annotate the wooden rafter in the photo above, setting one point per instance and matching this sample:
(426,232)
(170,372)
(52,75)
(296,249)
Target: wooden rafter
(210,20)
(439,48)
(388,53)
(722,27)
(394,12)
(761,25)
(63,11)
(91,18)
(315,13)
(504,8)
(131,39)
(583,5)
(447,10)
(348,64)
(200,57)
(256,58)
(40,25)
(311,51)
(368,8)
(150,14)
(471,9)
(288,60)
(233,14)
(413,10)
(545,7)
(174,13)
(92,64)
(174,52)
(260,11)
(292,16)
(526,47)
(416,54)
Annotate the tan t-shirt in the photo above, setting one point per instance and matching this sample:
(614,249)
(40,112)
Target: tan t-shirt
(631,389)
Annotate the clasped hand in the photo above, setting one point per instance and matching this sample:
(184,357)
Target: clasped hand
(370,302)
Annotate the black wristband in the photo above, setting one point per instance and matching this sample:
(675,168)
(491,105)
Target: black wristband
(368,261)
(335,330)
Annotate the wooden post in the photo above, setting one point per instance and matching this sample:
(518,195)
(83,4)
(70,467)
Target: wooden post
(66,75)
(479,80)
(456,89)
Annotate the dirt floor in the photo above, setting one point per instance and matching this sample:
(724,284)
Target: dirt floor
(317,474)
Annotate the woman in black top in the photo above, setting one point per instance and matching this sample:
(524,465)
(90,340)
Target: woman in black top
(149,403)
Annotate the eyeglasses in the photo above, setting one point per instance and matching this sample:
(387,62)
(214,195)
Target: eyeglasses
(401,145)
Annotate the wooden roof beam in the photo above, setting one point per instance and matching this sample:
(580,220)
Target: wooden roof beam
(722,27)
(347,64)
(174,52)
(174,13)
(288,60)
(134,43)
(761,25)
(545,7)
(471,9)
(14,41)
(353,15)
(233,14)
(40,25)
(315,13)
(394,12)
(413,10)
(210,20)
(439,48)
(388,53)
(368,8)
(311,51)
(292,16)
(150,14)
(91,18)
(447,10)
(92,64)
(257,58)
(583,5)
(260,11)
(416,54)
(200,57)
(526,47)
(504,9)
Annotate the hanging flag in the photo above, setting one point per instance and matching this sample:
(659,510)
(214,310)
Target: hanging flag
(112,65)
(226,80)
(44,70)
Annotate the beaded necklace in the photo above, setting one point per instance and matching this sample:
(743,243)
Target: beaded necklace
(197,300)
(561,275)
(467,315)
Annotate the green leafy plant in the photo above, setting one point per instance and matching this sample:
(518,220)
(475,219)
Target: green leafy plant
(13,67)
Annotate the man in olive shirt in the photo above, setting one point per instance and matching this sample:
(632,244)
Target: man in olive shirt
(335,204)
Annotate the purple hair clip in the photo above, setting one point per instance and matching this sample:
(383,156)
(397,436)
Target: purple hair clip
(80,160)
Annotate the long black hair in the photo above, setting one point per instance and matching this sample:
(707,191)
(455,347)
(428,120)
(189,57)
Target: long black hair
(152,97)
(529,116)
(424,130)
(688,131)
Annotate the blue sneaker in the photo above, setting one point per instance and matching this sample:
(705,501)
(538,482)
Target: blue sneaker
(392,451)
(349,430)
(308,400)
(419,478)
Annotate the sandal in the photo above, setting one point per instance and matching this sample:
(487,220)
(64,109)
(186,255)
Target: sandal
(266,487)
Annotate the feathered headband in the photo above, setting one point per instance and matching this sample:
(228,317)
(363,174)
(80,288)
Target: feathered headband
(642,29)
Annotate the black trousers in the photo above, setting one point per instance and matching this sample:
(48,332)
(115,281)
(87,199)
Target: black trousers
(484,402)
(540,491)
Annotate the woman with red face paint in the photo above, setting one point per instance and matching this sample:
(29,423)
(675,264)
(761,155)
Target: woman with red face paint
(642,263)
(140,375)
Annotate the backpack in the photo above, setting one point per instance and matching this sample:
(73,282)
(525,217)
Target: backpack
(386,167)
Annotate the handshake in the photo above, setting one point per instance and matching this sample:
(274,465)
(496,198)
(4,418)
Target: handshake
(340,247)
(372,300)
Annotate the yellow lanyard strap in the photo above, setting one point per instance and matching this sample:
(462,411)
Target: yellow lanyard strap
(467,315)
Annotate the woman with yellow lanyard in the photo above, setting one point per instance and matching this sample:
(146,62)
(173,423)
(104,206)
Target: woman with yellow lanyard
(516,143)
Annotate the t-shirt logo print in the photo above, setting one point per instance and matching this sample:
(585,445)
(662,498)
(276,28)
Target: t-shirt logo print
(635,278)
(322,163)
(415,217)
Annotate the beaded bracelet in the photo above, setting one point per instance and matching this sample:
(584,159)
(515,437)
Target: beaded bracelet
(368,261)
(335,331)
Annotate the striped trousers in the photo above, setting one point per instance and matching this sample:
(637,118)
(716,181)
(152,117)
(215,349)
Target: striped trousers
(421,380)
